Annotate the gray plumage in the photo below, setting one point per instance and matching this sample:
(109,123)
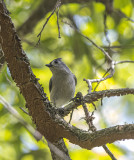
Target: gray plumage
(62,83)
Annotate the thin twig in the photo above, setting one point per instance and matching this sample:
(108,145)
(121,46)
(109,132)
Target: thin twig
(119,46)
(102,77)
(58,3)
(57,13)
(71,116)
(101,49)
(126,61)
(14,112)
(39,35)
(105,29)
(89,119)
(92,128)
(94,106)
(89,82)
(109,152)
(9,81)
(24,110)
(114,63)
(123,15)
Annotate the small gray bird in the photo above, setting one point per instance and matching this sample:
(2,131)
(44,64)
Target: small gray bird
(62,83)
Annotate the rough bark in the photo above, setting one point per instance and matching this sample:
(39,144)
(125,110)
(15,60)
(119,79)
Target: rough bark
(95,96)
(60,144)
(49,124)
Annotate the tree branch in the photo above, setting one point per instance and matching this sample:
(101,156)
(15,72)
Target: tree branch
(57,5)
(95,96)
(48,123)
(45,7)
(34,132)
(91,41)
(89,120)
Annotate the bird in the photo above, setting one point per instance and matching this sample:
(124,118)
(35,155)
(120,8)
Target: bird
(62,83)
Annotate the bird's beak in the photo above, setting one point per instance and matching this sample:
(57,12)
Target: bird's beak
(49,65)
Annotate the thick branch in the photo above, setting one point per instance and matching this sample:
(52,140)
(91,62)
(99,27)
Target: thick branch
(109,135)
(23,76)
(95,96)
(49,124)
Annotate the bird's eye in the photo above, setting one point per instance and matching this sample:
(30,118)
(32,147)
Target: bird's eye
(56,62)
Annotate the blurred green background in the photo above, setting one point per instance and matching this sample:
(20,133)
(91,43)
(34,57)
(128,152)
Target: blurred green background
(85,61)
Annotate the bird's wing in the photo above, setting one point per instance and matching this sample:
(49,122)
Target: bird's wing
(75,80)
(50,85)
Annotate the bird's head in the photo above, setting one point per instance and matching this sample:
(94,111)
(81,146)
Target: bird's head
(57,65)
